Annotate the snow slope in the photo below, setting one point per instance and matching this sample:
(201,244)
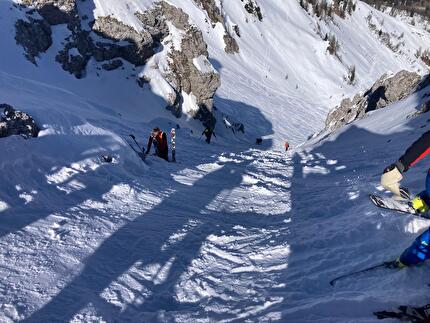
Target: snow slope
(230,232)
(227,234)
(283,66)
(284,61)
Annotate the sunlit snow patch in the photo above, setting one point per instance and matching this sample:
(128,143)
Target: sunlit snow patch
(315,170)
(190,176)
(3,206)
(130,287)
(26,197)
(353,195)
(72,186)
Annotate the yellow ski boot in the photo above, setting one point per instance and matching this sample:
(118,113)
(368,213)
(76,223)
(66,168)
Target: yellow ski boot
(400,264)
(419,204)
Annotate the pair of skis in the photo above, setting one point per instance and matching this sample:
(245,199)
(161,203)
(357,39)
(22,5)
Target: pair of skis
(386,203)
(402,206)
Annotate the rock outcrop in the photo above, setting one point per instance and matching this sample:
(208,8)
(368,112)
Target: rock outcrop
(212,10)
(385,91)
(17,123)
(138,46)
(186,76)
(253,8)
(215,16)
(35,36)
(231,45)
(110,42)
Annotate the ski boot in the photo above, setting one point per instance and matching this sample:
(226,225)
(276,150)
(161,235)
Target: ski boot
(399,264)
(420,204)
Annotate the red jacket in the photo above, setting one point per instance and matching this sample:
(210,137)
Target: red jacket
(161,145)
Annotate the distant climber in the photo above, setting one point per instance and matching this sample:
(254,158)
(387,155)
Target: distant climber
(159,139)
(390,180)
(208,132)
(287,146)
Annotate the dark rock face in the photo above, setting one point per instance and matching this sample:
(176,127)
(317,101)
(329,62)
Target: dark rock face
(17,123)
(253,8)
(236,30)
(34,36)
(385,91)
(212,9)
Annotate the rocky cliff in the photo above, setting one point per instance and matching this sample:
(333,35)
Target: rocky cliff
(111,42)
(385,91)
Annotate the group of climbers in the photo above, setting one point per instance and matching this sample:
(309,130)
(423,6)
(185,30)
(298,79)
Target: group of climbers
(158,140)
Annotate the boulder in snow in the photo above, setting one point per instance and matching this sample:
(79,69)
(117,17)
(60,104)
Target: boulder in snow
(17,123)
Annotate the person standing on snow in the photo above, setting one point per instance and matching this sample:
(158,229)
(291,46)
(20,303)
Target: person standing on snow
(159,138)
(419,251)
(208,132)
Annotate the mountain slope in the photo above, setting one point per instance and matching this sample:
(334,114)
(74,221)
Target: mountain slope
(285,65)
(230,232)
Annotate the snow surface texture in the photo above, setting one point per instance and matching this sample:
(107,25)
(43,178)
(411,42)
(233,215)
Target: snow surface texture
(229,233)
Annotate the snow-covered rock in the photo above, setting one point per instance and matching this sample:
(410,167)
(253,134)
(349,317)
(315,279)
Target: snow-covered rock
(385,91)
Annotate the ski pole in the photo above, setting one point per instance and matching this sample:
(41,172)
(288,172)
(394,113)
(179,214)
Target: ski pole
(130,146)
(134,138)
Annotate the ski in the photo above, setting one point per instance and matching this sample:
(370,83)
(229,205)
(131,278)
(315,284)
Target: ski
(407,313)
(385,265)
(173,144)
(389,203)
(139,153)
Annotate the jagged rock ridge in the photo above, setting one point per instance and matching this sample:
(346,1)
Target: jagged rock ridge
(385,91)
